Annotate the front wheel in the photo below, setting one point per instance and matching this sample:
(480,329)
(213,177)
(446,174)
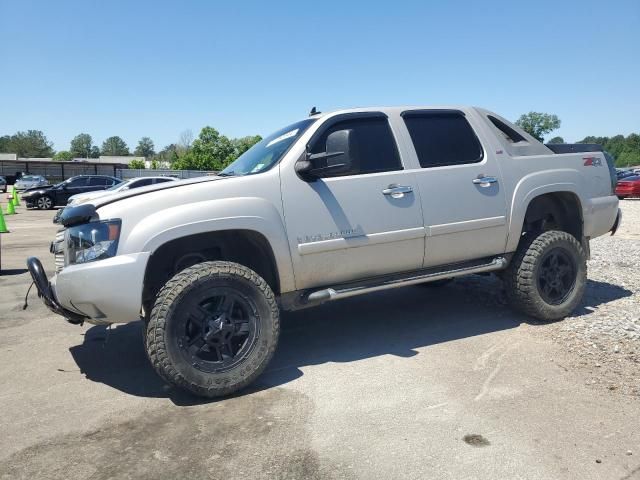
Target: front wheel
(213,329)
(547,276)
(44,203)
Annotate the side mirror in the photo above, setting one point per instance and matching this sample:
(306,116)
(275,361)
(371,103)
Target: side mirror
(335,159)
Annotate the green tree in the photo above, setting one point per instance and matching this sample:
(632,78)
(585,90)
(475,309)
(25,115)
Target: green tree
(5,140)
(167,156)
(63,156)
(538,124)
(32,143)
(556,140)
(114,146)
(95,152)
(137,164)
(241,145)
(81,146)
(625,150)
(210,151)
(145,148)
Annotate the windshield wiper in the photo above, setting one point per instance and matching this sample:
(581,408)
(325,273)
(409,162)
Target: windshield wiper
(227,174)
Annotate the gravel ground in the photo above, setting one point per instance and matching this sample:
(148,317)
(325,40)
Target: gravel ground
(603,334)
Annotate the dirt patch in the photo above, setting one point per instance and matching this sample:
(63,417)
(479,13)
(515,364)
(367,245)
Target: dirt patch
(245,437)
(476,440)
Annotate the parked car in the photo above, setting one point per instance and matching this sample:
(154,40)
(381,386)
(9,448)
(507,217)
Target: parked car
(335,205)
(620,173)
(51,196)
(27,182)
(628,187)
(119,187)
(3,185)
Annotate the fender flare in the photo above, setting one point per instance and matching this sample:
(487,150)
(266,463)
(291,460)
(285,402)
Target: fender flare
(523,197)
(219,215)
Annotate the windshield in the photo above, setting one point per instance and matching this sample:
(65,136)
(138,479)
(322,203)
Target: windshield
(267,152)
(30,178)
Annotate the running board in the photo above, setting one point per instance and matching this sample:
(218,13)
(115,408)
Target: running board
(349,290)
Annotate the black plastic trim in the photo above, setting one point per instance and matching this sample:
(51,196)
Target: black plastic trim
(574,147)
(46,293)
(417,112)
(83,213)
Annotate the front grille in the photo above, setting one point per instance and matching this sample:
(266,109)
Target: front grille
(57,248)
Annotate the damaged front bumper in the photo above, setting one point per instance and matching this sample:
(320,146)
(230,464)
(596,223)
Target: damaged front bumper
(45,292)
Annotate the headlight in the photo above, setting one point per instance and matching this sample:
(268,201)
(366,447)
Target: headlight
(92,241)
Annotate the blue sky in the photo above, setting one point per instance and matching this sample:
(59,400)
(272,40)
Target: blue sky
(156,68)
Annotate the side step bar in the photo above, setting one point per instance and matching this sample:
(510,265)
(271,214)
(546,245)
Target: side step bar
(335,293)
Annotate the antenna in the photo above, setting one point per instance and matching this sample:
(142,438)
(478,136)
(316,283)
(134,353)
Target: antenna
(313,112)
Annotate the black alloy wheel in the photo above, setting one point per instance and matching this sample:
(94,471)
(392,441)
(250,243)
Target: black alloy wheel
(218,330)
(556,276)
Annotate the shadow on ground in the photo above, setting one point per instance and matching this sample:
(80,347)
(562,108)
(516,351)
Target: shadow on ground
(13,271)
(395,322)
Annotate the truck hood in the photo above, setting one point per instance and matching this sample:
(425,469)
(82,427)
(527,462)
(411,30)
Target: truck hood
(108,199)
(83,197)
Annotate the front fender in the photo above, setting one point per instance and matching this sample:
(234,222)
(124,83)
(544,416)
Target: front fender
(242,213)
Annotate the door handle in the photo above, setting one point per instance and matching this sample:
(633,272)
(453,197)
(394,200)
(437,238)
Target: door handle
(485,181)
(397,191)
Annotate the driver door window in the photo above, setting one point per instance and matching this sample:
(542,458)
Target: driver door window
(99,182)
(373,147)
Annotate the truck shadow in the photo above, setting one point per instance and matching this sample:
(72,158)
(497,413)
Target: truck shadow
(396,322)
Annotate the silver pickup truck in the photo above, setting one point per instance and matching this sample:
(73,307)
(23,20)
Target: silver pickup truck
(334,205)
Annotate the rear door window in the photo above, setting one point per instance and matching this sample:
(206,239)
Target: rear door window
(442,138)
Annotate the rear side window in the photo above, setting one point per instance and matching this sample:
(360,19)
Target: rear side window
(509,134)
(374,148)
(442,138)
(162,180)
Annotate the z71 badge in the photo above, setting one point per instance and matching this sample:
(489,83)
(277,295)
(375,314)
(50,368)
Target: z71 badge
(592,161)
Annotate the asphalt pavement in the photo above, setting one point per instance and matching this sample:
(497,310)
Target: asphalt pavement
(409,383)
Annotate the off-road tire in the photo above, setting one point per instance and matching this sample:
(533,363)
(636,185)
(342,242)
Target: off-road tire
(162,348)
(521,276)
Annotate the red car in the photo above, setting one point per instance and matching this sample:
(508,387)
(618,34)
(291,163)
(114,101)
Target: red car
(628,187)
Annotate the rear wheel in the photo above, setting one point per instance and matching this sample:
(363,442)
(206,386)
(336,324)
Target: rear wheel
(44,203)
(213,329)
(547,276)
